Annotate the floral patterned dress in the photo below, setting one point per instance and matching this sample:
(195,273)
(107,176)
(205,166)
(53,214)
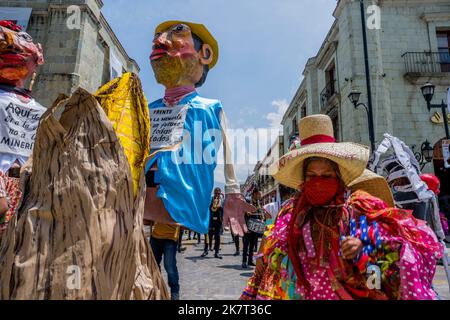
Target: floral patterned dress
(398,260)
(9,189)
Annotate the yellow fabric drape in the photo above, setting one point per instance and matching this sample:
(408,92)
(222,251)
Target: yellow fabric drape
(126,107)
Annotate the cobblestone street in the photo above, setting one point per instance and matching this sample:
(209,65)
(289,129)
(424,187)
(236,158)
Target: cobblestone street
(212,279)
(209,278)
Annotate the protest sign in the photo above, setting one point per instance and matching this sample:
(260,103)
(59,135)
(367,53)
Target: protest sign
(18,124)
(167,125)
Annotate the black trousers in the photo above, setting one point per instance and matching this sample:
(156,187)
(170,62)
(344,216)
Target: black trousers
(236,242)
(250,240)
(214,233)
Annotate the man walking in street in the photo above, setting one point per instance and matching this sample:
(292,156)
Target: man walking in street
(251,238)
(164,242)
(215,224)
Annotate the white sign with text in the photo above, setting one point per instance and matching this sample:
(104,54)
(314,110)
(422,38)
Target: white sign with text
(18,124)
(167,125)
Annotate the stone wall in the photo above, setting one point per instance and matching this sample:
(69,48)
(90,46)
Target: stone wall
(74,56)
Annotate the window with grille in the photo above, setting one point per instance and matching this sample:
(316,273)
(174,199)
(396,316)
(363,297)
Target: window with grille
(443,38)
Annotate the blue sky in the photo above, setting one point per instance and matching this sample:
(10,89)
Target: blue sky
(264,45)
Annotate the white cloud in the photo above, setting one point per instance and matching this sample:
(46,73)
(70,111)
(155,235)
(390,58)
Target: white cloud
(276,117)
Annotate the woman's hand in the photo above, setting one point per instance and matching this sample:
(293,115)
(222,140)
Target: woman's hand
(351,247)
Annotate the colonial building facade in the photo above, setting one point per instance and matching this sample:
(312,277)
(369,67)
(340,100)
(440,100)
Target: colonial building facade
(80,47)
(270,189)
(408,45)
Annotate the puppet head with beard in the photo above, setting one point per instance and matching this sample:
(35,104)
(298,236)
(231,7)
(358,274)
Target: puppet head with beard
(183,53)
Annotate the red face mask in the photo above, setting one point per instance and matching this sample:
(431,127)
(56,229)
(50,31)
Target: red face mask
(321,191)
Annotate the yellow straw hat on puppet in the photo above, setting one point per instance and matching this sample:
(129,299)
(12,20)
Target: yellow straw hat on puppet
(200,31)
(375,185)
(317,140)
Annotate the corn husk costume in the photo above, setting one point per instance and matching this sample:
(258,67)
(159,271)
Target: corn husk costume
(301,257)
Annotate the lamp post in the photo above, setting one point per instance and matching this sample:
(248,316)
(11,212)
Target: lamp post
(367,68)
(428,93)
(425,155)
(354,98)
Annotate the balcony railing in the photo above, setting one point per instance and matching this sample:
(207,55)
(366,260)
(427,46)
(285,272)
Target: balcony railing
(426,62)
(327,93)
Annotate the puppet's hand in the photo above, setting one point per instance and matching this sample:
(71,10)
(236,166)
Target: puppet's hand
(234,213)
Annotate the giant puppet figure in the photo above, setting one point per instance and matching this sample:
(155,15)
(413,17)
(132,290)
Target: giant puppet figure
(19,112)
(84,189)
(187,132)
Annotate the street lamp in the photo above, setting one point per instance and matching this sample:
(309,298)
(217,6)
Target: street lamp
(427,151)
(428,93)
(426,154)
(354,98)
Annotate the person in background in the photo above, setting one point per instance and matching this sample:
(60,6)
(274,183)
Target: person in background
(164,243)
(195,237)
(251,238)
(180,247)
(215,224)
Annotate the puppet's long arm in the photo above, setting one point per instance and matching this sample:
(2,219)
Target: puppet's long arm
(231,182)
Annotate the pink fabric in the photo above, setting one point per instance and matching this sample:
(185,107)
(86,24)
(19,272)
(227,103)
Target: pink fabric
(417,265)
(309,242)
(175,95)
(317,276)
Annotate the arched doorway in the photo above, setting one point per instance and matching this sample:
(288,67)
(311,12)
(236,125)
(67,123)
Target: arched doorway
(444,176)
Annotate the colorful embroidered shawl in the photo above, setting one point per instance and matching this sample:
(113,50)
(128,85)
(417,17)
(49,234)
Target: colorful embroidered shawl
(399,249)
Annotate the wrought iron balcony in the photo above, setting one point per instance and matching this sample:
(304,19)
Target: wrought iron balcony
(426,62)
(327,93)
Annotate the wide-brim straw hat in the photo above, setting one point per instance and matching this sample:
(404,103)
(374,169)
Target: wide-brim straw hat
(375,185)
(317,140)
(200,31)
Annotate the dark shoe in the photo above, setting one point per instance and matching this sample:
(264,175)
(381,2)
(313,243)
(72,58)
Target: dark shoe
(217,256)
(244,266)
(251,264)
(237,254)
(204,254)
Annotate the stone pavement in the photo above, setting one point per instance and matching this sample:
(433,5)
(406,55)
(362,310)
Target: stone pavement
(212,279)
(209,278)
